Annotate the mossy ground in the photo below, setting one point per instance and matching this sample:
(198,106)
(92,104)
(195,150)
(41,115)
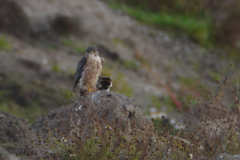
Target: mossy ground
(4,43)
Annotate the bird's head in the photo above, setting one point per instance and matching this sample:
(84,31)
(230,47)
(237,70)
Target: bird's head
(92,51)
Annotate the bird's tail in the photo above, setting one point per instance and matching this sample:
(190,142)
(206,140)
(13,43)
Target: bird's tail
(104,83)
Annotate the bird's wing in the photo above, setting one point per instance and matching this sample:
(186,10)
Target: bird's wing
(79,70)
(102,61)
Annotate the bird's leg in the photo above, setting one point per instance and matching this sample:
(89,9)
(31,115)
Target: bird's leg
(83,91)
(91,90)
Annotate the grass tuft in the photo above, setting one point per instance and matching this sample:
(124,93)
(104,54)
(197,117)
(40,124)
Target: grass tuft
(129,64)
(4,44)
(56,68)
(75,46)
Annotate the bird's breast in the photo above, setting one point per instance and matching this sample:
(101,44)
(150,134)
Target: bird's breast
(93,68)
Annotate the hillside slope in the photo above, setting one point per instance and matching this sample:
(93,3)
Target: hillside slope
(42,42)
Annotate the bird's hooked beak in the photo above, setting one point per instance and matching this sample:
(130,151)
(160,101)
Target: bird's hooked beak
(93,53)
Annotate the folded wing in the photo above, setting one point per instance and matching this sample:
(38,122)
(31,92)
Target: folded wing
(79,71)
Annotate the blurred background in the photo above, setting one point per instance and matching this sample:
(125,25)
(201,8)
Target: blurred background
(162,53)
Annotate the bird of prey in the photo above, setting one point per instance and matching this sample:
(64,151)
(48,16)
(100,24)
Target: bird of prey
(87,76)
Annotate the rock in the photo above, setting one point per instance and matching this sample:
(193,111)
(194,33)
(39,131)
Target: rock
(4,155)
(115,108)
(13,130)
(108,110)
(17,139)
(9,126)
(13,19)
(225,156)
(2,116)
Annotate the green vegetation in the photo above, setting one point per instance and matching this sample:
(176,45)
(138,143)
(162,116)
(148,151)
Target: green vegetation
(163,101)
(118,41)
(129,64)
(27,100)
(156,101)
(198,28)
(75,46)
(4,44)
(195,18)
(107,70)
(141,59)
(215,75)
(189,82)
(30,113)
(196,66)
(120,83)
(190,89)
(56,67)
(67,93)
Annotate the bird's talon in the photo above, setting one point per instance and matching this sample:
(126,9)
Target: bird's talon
(91,90)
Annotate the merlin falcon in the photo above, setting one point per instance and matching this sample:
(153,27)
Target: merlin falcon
(87,76)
